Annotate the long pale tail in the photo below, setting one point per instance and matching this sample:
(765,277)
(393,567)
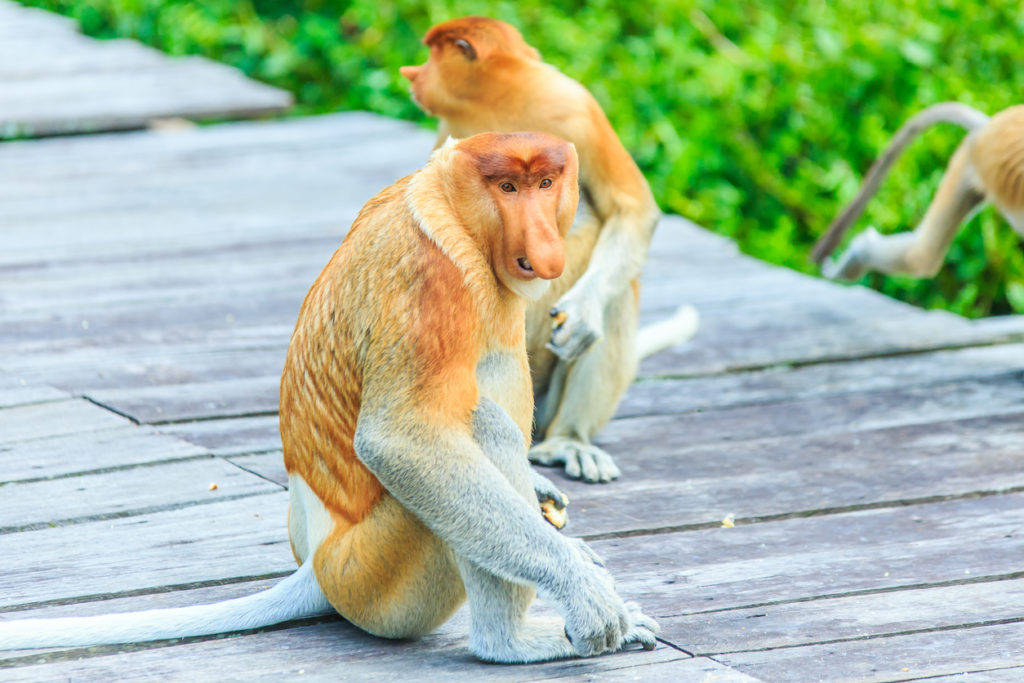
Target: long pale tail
(944,112)
(296,597)
(669,332)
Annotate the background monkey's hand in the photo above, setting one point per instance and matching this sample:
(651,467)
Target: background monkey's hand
(579,321)
(552,500)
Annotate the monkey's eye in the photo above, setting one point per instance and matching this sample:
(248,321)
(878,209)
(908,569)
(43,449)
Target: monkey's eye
(545,183)
(468,51)
(508,187)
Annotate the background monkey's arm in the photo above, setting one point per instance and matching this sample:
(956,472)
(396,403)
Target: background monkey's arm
(621,199)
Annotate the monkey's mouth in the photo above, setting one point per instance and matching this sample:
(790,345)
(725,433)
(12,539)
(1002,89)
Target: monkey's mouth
(524,265)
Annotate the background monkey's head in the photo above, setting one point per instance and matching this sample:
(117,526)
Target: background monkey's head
(466,56)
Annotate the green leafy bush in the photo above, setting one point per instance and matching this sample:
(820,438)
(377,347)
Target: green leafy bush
(754,119)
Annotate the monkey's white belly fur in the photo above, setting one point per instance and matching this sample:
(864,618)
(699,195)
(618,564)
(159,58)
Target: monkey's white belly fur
(309,522)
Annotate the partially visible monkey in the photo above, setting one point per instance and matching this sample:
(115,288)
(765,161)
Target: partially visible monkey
(406,408)
(482,76)
(988,165)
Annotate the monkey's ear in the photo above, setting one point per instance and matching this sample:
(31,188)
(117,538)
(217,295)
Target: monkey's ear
(467,50)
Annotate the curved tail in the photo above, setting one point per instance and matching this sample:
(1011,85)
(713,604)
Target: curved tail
(297,596)
(665,333)
(944,112)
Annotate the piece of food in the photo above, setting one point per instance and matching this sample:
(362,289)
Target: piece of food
(557,518)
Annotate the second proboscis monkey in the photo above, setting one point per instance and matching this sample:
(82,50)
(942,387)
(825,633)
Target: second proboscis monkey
(987,166)
(405,414)
(582,334)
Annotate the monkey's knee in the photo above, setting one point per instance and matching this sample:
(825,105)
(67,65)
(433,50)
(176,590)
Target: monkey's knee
(389,575)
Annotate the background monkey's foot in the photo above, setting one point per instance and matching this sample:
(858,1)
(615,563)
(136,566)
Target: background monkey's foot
(853,263)
(582,459)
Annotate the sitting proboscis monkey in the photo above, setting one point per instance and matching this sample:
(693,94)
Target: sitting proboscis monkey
(987,166)
(582,334)
(406,406)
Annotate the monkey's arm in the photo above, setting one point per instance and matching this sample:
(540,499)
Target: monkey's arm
(919,253)
(438,469)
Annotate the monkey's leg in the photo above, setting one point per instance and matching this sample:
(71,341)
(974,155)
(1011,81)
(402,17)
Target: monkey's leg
(919,253)
(500,630)
(582,397)
(388,574)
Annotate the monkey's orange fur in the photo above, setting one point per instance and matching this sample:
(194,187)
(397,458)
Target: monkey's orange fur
(411,301)
(998,155)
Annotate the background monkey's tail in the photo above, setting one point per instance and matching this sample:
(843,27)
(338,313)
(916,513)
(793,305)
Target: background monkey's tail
(661,335)
(944,112)
(297,596)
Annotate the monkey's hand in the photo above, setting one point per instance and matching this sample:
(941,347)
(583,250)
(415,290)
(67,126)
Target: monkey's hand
(579,324)
(597,620)
(582,459)
(853,263)
(552,500)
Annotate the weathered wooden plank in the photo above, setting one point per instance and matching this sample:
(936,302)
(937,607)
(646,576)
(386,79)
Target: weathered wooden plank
(240,538)
(774,563)
(16,391)
(336,650)
(652,396)
(126,492)
(232,436)
(813,333)
(909,657)
(1008,675)
(76,453)
(847,412)
(846,618)
(267,465)
(666,484)
(129,89)
(19,423)
(179,402)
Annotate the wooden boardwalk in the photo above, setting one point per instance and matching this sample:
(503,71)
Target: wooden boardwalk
(871,454)
(55,81)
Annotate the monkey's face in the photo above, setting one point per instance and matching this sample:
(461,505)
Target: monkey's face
(531,184)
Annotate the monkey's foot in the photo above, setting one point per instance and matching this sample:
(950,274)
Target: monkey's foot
(853,263)
(552,500)
(582,460)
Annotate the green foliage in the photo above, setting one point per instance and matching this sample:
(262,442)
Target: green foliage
(755,119)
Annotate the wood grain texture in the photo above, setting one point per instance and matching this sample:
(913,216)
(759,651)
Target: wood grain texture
(869,452)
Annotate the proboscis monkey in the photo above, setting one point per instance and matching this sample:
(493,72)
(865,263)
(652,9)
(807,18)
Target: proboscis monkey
(482,76)
(988,165)
(406,407)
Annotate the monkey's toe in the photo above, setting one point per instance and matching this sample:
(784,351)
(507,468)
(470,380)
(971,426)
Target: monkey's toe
(582,460)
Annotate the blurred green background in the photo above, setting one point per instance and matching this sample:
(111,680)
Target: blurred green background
(754,119)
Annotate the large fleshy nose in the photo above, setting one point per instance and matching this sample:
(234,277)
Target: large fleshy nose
(410,72)
(545,250)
